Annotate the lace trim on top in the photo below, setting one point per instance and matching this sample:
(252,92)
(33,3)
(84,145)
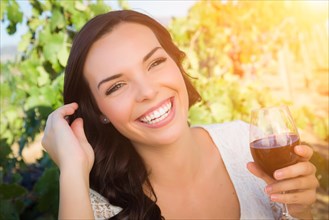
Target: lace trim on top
(104,210)
(101,207)
(276,209)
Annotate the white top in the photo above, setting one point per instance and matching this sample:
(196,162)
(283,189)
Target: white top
(232,140)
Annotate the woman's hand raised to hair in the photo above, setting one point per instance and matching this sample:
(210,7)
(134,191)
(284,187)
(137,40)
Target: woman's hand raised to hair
(298,182)
(67,145)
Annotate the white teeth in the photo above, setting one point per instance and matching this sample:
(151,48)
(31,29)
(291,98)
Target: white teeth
(157,115)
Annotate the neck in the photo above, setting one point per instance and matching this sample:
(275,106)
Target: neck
(175,164)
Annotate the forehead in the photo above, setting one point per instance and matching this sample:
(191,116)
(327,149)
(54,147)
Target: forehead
(125,32)
(121,48)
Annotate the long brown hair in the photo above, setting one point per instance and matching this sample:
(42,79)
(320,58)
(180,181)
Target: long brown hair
(118,173)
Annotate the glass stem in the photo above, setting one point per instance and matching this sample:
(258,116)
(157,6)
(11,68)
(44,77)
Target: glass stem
(285,212)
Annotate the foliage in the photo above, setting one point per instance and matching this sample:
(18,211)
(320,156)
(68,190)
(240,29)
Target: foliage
(322,173)
(229,45)
(30,89)
(226,53)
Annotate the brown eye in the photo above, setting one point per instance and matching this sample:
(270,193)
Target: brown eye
(157,62)
(114,88)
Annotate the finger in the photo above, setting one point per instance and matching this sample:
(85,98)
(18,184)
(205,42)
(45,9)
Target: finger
(60,114)
(258,172)
(77,128)
(305,197)
(304,151)
(301,183)
(298,169)
(54,123)
(300,211)
(65,110)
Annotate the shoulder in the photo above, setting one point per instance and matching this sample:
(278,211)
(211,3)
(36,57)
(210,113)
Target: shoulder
(236,125)
(228,133)
(101,207)
(232,140)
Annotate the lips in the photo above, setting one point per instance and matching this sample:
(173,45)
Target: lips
(158,114)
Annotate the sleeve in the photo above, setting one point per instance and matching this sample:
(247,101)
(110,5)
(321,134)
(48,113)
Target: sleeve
(101,207)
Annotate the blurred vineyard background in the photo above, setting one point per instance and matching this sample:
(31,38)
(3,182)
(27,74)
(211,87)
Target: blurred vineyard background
(241,54)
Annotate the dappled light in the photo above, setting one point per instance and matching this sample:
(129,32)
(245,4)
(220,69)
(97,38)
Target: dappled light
(240,55)
(250,54)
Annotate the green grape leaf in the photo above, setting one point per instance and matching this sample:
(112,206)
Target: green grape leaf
(3,6)
(8,210)
(45,35)
(25,42)
(80,6)
(57,20)
(99,8)
(48,187)
(53,46)
(8,191)
(43,78)
(123,4)
(5,150)
(79,19)
(34,23)
(13,12)
(63,55)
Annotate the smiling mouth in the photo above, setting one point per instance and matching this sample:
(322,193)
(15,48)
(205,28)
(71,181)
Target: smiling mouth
(158,114)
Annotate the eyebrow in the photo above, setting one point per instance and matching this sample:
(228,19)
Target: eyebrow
(108,79)
(151,53)
(147,56)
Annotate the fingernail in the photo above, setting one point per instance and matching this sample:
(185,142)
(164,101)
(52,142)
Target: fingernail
(274,197)
(268,189)
(300,149)
(278,174)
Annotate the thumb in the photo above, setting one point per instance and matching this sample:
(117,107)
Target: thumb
(258,172)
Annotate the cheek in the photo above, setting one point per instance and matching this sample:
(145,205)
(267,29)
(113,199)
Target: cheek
(117,111)
(177,79)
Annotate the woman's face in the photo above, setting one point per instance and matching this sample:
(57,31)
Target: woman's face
(137,85)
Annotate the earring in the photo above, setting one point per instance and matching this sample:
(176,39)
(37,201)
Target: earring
(104,119)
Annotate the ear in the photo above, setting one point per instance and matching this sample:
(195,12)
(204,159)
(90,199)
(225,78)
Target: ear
(104,119)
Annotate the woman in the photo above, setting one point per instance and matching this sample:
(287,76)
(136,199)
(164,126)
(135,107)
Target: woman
(128,151)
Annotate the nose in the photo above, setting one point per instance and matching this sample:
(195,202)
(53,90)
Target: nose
(146,89)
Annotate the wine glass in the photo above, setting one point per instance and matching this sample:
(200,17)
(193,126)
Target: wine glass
(273,136)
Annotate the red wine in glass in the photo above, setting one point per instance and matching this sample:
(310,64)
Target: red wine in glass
(271,154)
(273,136)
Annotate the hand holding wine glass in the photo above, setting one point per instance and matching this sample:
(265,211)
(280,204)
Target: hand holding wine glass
(274,144)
